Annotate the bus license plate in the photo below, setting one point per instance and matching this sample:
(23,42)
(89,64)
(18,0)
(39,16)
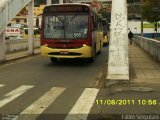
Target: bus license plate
(64,52)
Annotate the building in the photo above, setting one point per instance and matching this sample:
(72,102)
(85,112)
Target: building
(21,17)
(38,10)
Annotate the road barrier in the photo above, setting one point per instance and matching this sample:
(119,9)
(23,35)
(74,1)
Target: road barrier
(151,46)
(19,45)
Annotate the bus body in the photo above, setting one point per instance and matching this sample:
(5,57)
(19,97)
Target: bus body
(70,31)
(105,32)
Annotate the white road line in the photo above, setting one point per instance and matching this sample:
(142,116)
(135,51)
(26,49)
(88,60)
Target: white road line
(83,105)
(41,104)
(14,94)
(1,85)
(100,75)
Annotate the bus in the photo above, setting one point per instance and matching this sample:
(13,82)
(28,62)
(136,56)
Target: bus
(106,32)
(71,31)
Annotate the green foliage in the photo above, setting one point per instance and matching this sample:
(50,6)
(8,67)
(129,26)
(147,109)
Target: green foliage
(105,14)
(151,10)
(132,1)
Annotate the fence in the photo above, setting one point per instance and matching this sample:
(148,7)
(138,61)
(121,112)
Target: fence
(149,45)
(19,45)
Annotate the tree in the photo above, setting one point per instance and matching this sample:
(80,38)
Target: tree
(105,14)
(151,12)
(133,1)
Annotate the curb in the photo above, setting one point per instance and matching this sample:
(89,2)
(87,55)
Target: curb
(18,58)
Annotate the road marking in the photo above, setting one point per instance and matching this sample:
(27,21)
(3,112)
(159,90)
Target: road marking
(100,75)
(83,105)
(14,94)
(41,104)
(1,85)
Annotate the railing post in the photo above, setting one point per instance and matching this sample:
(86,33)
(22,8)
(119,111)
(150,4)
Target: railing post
(48,2)
(118,66)
(2,46)
(158,51)
(2,37)
(30,27)
(60,1)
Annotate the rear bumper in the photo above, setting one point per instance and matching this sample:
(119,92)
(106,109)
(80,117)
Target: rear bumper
(83,52)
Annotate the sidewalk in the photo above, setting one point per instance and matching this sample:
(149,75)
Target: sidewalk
(143,67)
(20,54)
(120,99)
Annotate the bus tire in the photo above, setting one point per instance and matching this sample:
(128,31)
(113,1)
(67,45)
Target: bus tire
(93,55)
(100,48)
(53,60)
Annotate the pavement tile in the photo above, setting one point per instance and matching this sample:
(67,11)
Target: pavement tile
(144,66)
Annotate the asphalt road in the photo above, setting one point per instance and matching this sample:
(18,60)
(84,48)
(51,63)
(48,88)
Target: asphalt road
(35,88)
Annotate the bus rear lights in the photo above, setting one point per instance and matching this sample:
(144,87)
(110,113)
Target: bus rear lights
(46,45)
(84,45)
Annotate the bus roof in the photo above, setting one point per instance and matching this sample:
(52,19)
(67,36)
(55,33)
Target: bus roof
(70,7)
(68,4)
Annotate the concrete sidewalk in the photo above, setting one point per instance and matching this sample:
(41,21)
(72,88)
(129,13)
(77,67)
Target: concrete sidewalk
(144,85)
(20,54)
(143,67)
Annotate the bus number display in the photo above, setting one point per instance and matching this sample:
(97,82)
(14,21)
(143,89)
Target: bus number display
(77,35)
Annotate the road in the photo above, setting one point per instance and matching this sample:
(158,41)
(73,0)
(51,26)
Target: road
(35,88)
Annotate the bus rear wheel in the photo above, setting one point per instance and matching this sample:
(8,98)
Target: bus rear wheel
(100,48)
(93,55)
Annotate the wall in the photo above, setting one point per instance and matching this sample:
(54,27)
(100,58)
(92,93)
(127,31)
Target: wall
(149,45)
(19,45)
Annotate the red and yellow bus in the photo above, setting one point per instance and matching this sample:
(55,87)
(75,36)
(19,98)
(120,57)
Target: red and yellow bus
(106,33)
(71,31)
